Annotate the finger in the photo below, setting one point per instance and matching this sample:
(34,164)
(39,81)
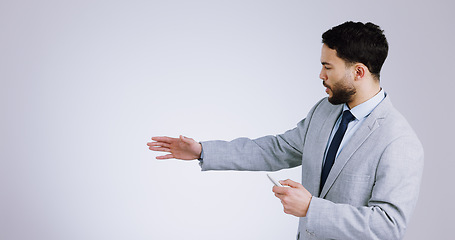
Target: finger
(163,139)
(159,144)
(280,196)
(160,149)
(280,190)
(275,188)
(168,156)
(290,183)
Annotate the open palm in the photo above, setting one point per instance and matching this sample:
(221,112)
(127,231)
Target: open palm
(180,148)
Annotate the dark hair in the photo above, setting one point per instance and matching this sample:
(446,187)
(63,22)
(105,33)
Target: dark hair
(356,42)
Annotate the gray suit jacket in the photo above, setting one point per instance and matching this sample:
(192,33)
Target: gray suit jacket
(374,183)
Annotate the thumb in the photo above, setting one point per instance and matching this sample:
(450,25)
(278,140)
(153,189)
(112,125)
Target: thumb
(185,139)
(290,183)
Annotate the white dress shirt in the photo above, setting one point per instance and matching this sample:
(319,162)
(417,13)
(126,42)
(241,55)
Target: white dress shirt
(360,113)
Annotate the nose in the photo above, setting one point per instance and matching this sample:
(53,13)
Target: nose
(322,75)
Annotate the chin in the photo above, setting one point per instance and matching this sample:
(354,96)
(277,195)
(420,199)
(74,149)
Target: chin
(330,101)
(335,101)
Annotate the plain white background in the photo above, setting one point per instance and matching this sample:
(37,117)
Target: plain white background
(85,84)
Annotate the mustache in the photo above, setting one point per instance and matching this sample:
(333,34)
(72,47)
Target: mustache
(327,86)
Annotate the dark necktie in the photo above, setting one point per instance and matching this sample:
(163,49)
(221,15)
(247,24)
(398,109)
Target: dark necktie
(334,145)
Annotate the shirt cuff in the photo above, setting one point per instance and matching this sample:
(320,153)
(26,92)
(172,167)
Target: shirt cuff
(201,159)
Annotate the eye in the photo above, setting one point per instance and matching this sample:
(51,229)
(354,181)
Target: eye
(327,68)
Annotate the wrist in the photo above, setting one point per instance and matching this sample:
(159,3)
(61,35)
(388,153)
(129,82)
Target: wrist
(200,156)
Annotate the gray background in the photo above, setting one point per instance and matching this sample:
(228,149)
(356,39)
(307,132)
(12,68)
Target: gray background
(85,84)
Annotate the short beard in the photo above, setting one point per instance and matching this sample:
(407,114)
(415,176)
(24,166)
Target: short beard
(341,93)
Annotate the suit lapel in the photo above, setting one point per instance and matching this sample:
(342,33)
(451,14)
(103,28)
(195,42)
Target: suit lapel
(368,126)
(325,129)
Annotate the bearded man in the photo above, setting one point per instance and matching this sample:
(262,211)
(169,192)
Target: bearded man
(361,161)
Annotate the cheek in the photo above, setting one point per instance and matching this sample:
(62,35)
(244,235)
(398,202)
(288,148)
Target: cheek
(337,76)
(332,77)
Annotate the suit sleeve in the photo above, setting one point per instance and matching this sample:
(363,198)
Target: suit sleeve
(269,153)
(389,209)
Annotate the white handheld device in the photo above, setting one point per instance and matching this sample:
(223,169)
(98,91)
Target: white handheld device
(278,184)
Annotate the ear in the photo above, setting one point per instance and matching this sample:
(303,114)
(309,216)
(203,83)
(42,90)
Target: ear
(359,71)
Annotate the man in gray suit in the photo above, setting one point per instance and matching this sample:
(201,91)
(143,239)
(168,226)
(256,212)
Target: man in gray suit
(361,161)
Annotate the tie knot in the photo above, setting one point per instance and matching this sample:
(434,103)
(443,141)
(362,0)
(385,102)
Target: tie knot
(347,117)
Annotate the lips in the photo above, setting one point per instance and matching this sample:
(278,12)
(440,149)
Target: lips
(325,85)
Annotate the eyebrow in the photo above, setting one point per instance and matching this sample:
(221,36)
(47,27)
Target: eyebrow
(325,63)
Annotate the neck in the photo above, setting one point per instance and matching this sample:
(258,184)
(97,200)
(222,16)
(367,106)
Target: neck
(363,94)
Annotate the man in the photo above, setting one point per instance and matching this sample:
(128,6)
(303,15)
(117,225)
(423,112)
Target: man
(361,161)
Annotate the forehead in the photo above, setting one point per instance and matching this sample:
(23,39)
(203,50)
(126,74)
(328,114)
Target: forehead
(329,56)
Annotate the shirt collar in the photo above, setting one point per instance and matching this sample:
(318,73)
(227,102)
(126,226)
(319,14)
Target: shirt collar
(364,109)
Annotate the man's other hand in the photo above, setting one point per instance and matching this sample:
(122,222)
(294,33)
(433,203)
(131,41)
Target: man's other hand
(295,198)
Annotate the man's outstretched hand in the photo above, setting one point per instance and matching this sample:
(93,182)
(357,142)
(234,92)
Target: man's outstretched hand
(180,148)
